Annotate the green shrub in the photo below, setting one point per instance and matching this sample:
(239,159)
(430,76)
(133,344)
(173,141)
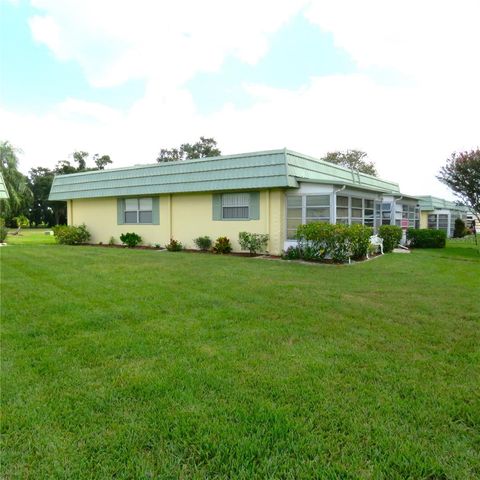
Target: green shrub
(203,243)
(222,245)
(130,239)
(253,242)
(112,241)
(174,246)
(359,236)
(426,238)
(22,221)
(460,229)
(71,235)
(391,235)
(320,240)
(292,253)
(3,233)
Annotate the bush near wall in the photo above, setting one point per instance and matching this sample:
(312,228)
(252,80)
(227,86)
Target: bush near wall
(426,238)
(391,235)
(71,235)
(130,239)
(203,243)
(318,241)
(253,242)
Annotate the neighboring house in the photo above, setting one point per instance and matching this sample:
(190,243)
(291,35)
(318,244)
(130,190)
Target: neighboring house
(3,188)
(440,214)
(270,192)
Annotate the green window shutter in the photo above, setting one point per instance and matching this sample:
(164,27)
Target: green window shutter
(254,210)
(120,211)
(216,206)
(155,211)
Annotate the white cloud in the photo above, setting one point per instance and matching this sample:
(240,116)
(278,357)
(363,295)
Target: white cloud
(407,129)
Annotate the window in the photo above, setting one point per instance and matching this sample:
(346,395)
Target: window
(302,209)
(136,210)
(438,221)
(356,210)
(294,214)
(412,214)
(235,206)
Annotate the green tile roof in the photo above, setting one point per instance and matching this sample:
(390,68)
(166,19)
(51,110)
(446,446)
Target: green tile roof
(3,188)
(270,169)
(429,203)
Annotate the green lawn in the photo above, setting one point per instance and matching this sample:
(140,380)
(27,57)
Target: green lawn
(145,364)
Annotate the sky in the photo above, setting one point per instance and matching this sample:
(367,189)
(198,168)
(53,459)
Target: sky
(398,80)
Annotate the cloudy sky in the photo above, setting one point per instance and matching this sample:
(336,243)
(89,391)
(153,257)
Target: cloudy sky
(397,79)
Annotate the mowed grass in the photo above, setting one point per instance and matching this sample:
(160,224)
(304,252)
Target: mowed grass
(144,364)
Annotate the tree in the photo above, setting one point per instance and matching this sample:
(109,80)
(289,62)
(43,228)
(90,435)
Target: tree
(43,211)
(462,175)
(81,158)
(101,161)
(20,196)
(206,147)
(354,159)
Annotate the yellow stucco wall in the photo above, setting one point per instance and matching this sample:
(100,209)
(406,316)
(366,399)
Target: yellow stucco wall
(182,217)
(424,219)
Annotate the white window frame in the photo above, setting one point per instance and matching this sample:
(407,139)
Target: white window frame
(303,207)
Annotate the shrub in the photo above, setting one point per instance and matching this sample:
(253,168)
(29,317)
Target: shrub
(3,233)
(253,242)
(292,253)
(319,240)
(222,245)
(359,236)
(71,235)
(174,246)
(130,239)
(391,235)
(460,229)
(22,221)
(426,238)
(203,243)
(112,241)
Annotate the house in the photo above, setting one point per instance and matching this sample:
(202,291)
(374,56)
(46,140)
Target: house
(440,214)
(270,192)
(3,188)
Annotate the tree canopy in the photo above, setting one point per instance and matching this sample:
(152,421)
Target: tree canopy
(205,147)
(20,195)
(461,174)
(354,159)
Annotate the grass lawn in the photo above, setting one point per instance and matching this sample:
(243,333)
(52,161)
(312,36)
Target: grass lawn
(145,364)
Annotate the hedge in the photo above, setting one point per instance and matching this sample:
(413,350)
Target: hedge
(426,238)
(317,241)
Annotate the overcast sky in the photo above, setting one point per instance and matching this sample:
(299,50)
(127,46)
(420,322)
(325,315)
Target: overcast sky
(399,80)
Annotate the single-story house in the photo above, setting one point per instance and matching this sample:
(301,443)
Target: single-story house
(440,214)
(270,192)
(3,188)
